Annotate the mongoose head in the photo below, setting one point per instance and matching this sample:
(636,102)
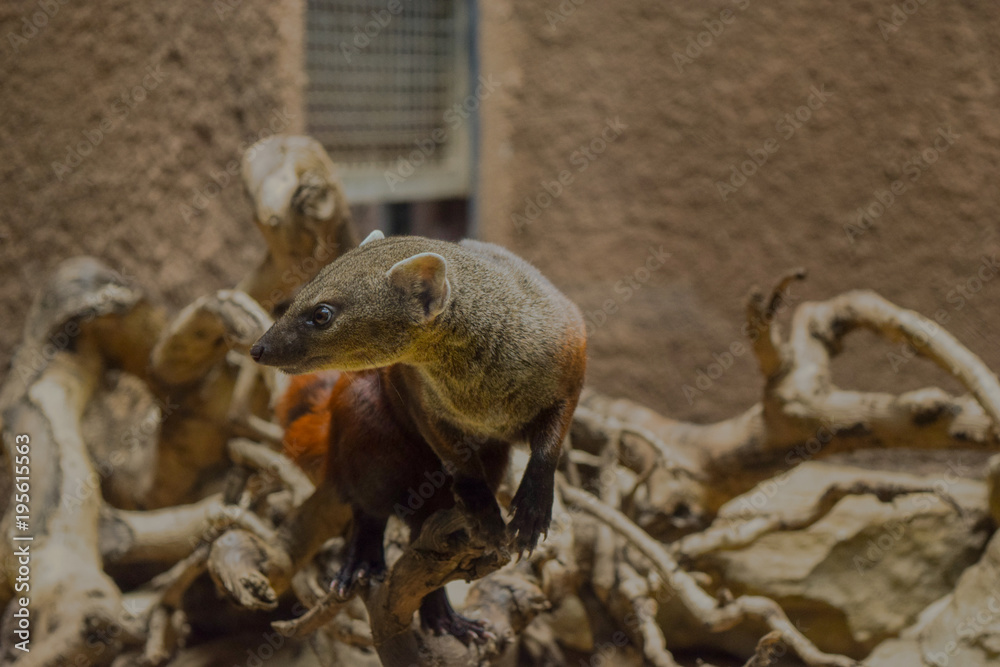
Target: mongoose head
(368,309)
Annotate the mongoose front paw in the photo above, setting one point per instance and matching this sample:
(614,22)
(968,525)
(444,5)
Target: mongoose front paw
(464,629)
(358,572)
(532,508)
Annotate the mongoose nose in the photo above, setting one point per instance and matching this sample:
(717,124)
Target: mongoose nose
(257,351)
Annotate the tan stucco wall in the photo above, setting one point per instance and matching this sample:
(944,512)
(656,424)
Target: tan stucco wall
(225,78)
(199,80)
(689,123)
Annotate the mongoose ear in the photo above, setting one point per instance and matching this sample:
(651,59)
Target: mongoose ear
(425,278)
(374,236)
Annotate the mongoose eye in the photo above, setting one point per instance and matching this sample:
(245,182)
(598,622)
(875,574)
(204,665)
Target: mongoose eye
(322,315)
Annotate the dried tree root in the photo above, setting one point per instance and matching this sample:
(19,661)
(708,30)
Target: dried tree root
(191,373)
(71,595)
(804,415)
(253,572)
(635,596)
(736,535)
(604,574)
(169,534)
(218,396)
(72,600)
(201,335)
(159,602)
(507,601)
(240,413)
(323,612)
(614,429)
(443,552)
(248,453)
(700,604)
(768,651)
(300,209)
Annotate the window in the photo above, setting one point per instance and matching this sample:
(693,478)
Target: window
(383,75)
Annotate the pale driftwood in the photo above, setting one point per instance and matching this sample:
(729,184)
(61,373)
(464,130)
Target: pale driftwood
(778,360)
(69,589)
(255,572)
(166,622)
(803,415)
(300,209)
(768,651)
(190,375)
(200,337)
(735,535)
(604,575)
(255,564)
(168,535)
(44,397)
(444,551)
(248,453)
(634,600)
(704,607)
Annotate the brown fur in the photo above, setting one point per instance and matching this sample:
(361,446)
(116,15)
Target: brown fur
(341,427)
(479,352)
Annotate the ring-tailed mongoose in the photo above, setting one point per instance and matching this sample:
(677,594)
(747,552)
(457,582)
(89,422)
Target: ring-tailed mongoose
(475,351)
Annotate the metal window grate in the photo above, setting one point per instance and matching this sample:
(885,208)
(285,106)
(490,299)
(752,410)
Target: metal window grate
(382,76)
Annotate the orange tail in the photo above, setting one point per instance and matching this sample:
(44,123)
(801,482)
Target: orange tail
(304,413)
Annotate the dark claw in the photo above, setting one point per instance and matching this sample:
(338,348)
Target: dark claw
(464,629)
(531,517)
(346,582)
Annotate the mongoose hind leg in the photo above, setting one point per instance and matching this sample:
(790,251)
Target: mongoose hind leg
(479,504)
(364,558)
(474,485)
(438,616)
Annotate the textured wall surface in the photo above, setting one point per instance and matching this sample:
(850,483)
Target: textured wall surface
(835,102)
(700,88)
(116,121)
